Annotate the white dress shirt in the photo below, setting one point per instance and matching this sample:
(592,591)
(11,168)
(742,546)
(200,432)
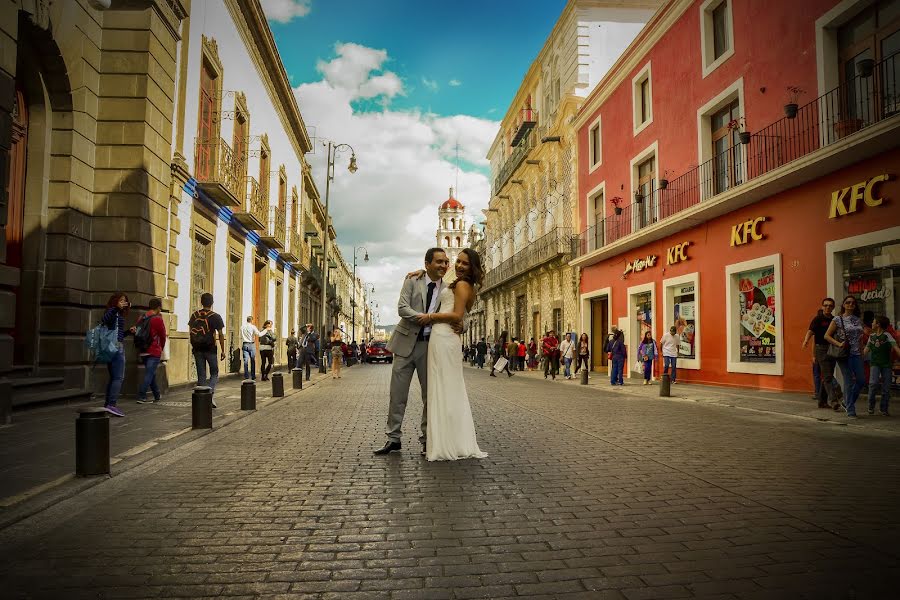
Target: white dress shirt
(432,308)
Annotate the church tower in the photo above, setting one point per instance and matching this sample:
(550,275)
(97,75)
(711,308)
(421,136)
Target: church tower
(451,232)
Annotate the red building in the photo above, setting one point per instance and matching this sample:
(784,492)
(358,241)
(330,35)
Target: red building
(736,165)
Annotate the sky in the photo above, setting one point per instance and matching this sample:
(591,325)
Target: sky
(410,85)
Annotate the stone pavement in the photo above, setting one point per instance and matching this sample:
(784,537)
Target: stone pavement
(37,451)
(588,494)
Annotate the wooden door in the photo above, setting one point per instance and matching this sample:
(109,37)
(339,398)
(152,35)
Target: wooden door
(599,330)
(15,223)
(206,127)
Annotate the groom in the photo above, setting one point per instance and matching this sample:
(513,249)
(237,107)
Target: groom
(409,343)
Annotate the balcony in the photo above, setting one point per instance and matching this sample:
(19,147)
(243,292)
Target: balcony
(768,164)
(528,118)
(255,213)
(218,172)
(313,275)
(518,154)
(274,235)
(294,251)
(556,243)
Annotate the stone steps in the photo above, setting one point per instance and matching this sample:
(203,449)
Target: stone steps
(53,396)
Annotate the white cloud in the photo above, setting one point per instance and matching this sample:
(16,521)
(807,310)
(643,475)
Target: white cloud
(454,83)
(406,162)
(431,84)
(284,11)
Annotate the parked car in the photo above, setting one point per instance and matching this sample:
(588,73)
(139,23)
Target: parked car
(378,352)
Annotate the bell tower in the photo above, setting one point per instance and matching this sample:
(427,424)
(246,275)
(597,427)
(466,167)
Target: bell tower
(451,231)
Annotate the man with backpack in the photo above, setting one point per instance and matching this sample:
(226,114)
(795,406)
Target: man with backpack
(204,325)
(149,340)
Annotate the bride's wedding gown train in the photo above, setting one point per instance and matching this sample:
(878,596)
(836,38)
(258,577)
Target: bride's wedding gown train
(451,431)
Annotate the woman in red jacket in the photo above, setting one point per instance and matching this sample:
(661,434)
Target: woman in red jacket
(150,346)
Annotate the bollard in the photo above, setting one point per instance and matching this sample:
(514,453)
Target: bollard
(297,376)
(584,377)
(91,442)
(248,395)
(277,385)
(665,385)
(201,408)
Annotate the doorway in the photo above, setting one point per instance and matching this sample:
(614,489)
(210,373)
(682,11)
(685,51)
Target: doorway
(260,287)
(599,331)
(15,225)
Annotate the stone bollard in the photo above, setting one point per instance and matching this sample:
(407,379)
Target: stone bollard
(277,385)
(665,385)
(91,442)
(5,403)
(297,376)
(248,395)
(201,408)
(584,377)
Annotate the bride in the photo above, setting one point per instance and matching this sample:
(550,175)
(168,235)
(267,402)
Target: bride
(450,429)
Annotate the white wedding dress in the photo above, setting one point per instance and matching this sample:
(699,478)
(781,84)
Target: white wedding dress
(451,431)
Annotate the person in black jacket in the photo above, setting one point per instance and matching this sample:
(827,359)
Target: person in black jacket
(500,351)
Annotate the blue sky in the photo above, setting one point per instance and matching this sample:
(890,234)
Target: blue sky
(486,46)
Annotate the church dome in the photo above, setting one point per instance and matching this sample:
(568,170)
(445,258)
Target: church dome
(451,203)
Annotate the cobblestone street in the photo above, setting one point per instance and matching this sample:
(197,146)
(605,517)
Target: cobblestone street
(586,494)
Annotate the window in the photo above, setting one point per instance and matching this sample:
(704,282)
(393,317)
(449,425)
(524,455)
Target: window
(753,327)
(557,321)
(200,268)
(295,211)
(282,188)
(727,151)
(596,208)
(716,34)
(240,134)
(264,167)
(682,310)
(207,130)
(595,156)
(646,207)
(233,324)
(642,86)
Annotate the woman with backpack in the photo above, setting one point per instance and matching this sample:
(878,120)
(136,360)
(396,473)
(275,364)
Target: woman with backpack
(114,319)
(647,354)
(149,340)
(267,339)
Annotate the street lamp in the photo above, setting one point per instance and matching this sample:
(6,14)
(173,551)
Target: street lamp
(355,250)
(329,177)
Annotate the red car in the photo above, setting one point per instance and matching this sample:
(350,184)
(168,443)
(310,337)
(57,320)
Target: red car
(378,352)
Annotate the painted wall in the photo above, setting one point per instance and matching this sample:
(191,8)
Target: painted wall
(803,267)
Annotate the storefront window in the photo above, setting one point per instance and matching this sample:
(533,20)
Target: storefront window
(757,303)
(685,319)
(643,313)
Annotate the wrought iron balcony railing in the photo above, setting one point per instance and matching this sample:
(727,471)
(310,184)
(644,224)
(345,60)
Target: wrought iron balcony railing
(517,155)
(555,243)
(218,172)
(528,118)
(255,212)
(860,102)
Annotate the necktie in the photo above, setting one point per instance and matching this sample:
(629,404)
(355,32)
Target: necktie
(428,297)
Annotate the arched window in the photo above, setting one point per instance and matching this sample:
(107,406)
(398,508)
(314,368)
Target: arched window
(458,242)
(447,241)
(452,223)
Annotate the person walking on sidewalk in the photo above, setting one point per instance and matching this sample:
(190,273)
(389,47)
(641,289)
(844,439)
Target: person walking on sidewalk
(500,352)
(480,353)
(584,353)
(267,340)
(567,352)
(337,353)
(825,385)
(292,344)
(647,354)
(310,346)
(532,355)
(845,332)
(880,349)
(669,344)
(249,335)
(149,339)
(204,326)
(618,355)
(550,349)
(114,318)
(521,351)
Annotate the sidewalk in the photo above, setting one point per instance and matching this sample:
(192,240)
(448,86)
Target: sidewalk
(37,451)
(788,404)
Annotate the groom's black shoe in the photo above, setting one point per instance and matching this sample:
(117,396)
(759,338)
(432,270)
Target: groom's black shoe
(388,448)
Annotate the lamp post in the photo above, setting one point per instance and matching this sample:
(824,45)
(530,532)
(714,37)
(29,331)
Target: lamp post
(329,176)
(353,302)
(368,325)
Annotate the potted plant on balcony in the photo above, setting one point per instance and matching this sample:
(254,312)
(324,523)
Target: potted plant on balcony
(790,109)
(664,181)
(844,127)
(638,197)
(740,126)
(865,67)
(615,201)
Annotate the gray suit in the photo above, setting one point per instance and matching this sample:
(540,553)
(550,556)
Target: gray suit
(410,355)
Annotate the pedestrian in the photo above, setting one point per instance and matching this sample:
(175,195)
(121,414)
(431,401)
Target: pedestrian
(205,325)
(647,354)
(845,334)
(532,355)
(249,335)
(114,318)
(354,353)
(362,352)
(501,352)
(267,340)
(567,352)
(521,351)
(880,349)
(337,353)
(512,354)
(480,352)
(310,348)
(292,344)
(669,344)
(584,353)
(550,350)
(618,355)
(825,385)
(149,339)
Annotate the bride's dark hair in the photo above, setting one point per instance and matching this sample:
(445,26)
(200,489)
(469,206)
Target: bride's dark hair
(475,276)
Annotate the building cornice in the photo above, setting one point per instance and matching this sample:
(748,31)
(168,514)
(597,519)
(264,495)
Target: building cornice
(636,52)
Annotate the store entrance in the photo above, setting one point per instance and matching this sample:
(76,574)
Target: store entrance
(599,331)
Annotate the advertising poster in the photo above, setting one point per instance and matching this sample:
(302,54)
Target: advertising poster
(643,314)
(757,314)
(685,320)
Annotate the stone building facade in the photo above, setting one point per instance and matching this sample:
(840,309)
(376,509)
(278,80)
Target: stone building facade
(530,287)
